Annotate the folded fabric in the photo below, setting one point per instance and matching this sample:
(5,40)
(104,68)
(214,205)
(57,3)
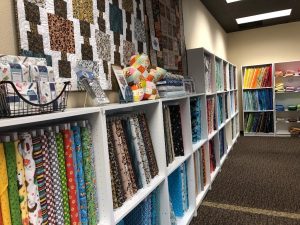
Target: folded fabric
(170,88)
(292,107)
(4,201)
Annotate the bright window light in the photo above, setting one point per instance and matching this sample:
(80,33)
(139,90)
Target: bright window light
(230,1)
(264,16)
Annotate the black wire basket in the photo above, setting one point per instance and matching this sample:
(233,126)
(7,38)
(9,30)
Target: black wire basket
(14,104)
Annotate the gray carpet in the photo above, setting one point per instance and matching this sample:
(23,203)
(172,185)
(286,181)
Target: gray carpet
(261,173)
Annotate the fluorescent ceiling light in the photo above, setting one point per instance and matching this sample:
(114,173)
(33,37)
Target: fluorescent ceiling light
(230,1)
(264,16)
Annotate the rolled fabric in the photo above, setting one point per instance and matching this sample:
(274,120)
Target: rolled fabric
(140,150)
(54,185)
(93,170)
(89,176)
(124,161)
(80,175)
(71,182)
(116,182)
(63,178)
(4,201)
(34,207)
(21,185)
(148,145)
(40,175)
(14,204)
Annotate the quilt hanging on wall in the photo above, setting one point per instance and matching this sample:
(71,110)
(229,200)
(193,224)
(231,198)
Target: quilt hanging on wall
(95,34)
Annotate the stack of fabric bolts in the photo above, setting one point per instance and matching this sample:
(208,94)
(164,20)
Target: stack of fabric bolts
(279,87)
(48,176)
(171,86)
(132,159)
(290,89)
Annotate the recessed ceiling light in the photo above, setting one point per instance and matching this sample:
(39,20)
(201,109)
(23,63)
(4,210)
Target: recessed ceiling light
(230,1)
(264,16)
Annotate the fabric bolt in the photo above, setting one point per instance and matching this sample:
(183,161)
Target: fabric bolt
(172,215)
(117,189)
(132,152)
(47,178)
(89,176)
(154,208)
(10,156)
(53,182)
(196,119)
(23,198)
(93,170)
(148,145)
(126,170)
(40,175)
(71,182)
(76,175)
(34,207)
(4,200)
(63,178)
(80,175)
(175,117)
(141,151)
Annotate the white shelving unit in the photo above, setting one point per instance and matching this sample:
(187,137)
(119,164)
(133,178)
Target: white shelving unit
(252,111)
(281,123)
(287,98)
(154,114)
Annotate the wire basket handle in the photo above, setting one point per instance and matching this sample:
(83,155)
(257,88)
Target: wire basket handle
(34,104)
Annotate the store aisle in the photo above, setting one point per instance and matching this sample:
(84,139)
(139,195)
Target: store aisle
(259,185)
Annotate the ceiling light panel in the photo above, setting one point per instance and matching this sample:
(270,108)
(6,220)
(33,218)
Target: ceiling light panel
(264,16)
(230,1)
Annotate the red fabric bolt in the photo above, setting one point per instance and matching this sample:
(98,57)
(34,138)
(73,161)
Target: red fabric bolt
(71,182)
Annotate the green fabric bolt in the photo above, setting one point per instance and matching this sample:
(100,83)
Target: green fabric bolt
(63,177)
(88,174)
(14,204)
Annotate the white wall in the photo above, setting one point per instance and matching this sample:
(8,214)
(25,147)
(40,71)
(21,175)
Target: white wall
(202,30)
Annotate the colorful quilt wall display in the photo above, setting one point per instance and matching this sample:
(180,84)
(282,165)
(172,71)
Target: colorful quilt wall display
(173,132)
(48,176)
(99,34)
(132,158)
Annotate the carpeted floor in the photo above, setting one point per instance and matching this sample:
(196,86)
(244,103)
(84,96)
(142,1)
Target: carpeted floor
(261,173)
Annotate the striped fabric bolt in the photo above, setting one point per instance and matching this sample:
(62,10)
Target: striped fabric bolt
(40,175)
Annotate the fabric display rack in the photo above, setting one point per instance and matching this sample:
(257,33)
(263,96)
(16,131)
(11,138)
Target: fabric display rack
(48,173)
(148,196)
(270,99)
(161,177)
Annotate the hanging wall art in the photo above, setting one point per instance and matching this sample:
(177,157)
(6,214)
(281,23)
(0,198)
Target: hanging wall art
(99,34)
